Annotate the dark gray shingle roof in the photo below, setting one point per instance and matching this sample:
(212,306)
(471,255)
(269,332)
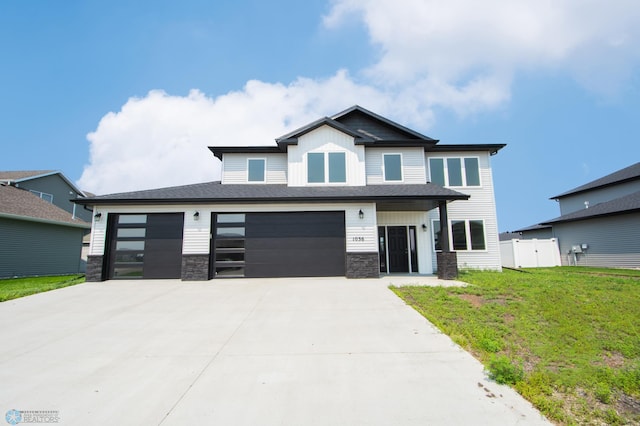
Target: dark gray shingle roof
(626,204)
(532,228)
(19,203)
(216,192)
(628,173)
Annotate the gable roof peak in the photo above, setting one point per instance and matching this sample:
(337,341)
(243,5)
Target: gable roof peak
(357,109)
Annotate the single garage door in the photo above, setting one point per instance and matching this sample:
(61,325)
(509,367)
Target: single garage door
(145,245)
(299,244)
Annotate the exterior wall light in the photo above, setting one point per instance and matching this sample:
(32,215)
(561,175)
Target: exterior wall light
(97,217)
(196,216)
(361,214)
(424,228)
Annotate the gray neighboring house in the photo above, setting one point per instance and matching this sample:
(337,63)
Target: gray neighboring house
(599,223)
(36,237)
(49,185)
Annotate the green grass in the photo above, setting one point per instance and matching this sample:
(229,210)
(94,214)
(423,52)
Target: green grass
(567,339)
(14,288)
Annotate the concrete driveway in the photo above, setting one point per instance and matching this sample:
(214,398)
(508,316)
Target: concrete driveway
(241,352)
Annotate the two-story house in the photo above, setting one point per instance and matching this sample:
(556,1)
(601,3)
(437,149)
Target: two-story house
(353,195)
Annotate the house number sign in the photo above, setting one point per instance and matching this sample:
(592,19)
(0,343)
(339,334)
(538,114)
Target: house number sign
(358,239)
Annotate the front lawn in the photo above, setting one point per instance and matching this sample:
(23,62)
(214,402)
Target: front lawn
(19,287)
(567,339)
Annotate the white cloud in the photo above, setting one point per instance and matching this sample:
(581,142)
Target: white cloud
(465,43)
(161,140)
(456,54)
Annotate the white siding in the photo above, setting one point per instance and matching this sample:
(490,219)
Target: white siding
(361,234)
(234,168)
(326,139)
(98,233)
(423,243)
(413,166)
(196,233)
(481,206)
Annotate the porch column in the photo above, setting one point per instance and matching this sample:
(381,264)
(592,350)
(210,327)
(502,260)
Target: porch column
(447,259)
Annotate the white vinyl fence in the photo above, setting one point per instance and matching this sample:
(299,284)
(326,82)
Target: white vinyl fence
(530,253)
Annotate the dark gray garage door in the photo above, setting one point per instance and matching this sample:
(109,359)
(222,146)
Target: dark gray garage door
(300,244)
(145,245)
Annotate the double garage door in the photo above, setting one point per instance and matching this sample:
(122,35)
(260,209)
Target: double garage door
(300,244)
(292,244)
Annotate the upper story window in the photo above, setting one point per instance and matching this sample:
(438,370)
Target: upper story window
(326,167)
(392,167)
(256,170)
(455,171)
(43,195)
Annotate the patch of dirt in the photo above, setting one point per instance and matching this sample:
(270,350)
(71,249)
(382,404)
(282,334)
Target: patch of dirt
(613,360)
(508,318)
(475,300)
(629,405)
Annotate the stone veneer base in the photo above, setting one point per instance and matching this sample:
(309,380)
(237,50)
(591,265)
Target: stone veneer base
(195,267)
(363,265)
(447,265)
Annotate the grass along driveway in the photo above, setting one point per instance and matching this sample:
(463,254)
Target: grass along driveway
(14,288)
(567,339)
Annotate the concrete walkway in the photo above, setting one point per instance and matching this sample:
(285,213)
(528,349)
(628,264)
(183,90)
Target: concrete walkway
(242,352)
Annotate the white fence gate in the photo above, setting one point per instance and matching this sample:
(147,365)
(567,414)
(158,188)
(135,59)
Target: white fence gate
(530,253)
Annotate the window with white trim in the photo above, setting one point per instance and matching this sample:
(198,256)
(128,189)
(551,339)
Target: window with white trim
(256,170)
(392,164)
(326,167)
(43,195)
(455,171)
(464,235)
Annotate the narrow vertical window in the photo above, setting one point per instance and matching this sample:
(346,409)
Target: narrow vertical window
(459,234)
(315,167)
(256,169)
(436,169)
(337,167)
(413,248)
(392,167)
(382,248)
(454,167)
(437,235)
(472,172)
(476,230)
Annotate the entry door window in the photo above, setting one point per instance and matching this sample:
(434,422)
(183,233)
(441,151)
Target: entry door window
(382,248)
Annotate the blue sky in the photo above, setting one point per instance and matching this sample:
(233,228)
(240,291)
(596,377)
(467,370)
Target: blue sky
(127,95)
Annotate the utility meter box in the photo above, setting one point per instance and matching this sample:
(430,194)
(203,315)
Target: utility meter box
(576,249)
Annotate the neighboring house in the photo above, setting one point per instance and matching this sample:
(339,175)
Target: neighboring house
(599,223)
(51,186)
(353,195)
(37,237)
